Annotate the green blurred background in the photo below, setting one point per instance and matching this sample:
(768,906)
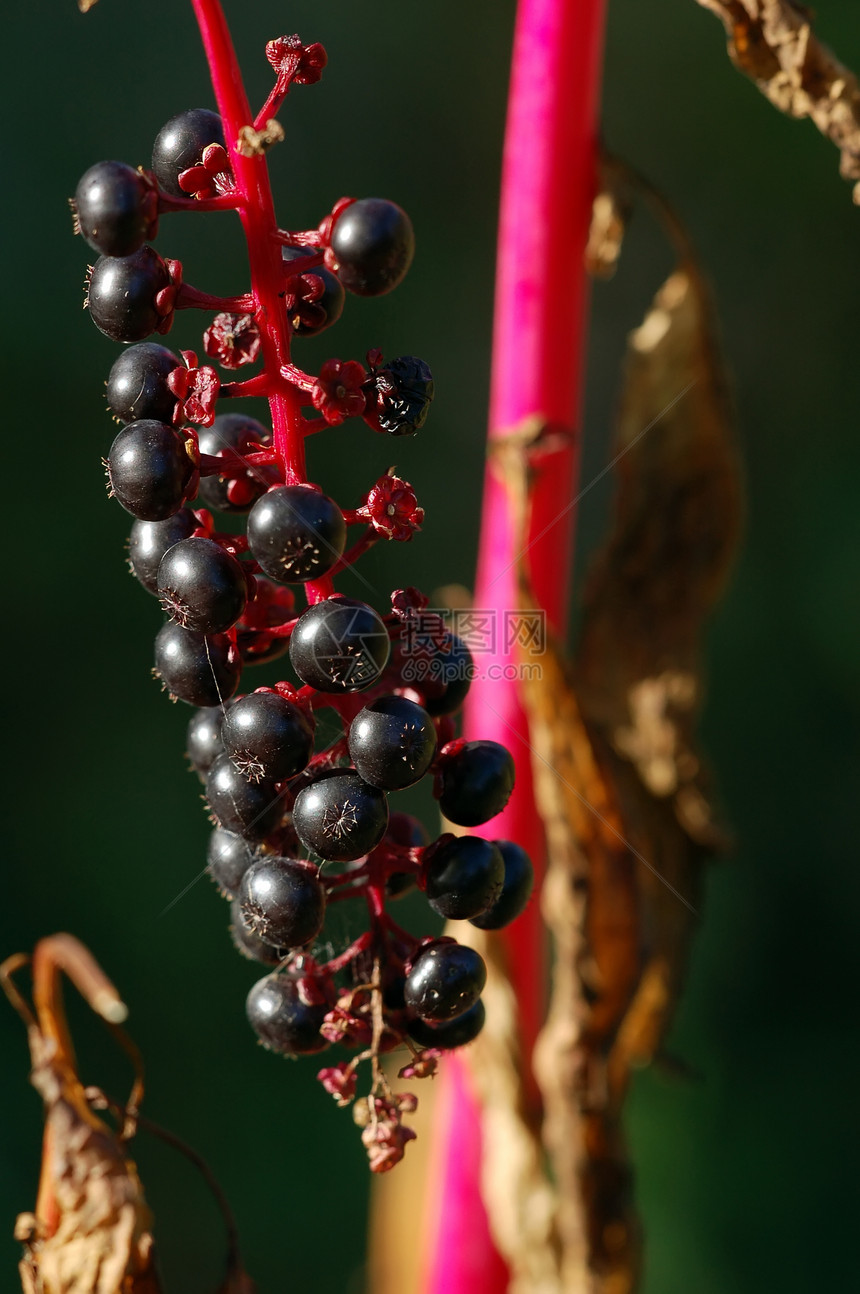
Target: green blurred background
(747,1178)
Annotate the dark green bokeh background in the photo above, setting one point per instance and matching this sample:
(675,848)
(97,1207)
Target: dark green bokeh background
(747,1179)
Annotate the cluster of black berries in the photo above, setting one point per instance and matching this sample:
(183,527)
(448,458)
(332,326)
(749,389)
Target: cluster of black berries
(298,826)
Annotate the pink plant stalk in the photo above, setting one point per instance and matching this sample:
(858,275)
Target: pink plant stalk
(538,349)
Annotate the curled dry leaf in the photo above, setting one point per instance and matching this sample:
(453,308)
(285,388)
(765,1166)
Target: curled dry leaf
(773,42)
(617,779)
(91,1229)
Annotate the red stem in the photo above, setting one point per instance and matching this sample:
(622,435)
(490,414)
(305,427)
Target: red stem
(257,213)
(538,346)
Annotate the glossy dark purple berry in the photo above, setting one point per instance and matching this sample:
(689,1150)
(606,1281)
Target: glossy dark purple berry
(121,294)
(116,208)
(339,645)
(180,144)
(331,302)
(149,470)
(373,243)
(228,858)
(282,901)
(477,780)
(464,877)
(203,742)
(296,533)
(339,816)
(516,890)
(267,736)
(392,742)
(194,668)
(445,980)
(137,383)
(201,586)
(281,1020)
(399,396)
(148,541)
(238,432)
(251,809)
(458,1032)
(249,944)
(446,677)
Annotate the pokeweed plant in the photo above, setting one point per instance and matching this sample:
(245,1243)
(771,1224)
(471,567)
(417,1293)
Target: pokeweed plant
(298,826)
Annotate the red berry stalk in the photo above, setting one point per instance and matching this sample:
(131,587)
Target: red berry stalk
(538,349)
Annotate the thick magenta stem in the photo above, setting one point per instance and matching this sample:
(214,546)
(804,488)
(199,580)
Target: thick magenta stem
(538,346)
(257,213)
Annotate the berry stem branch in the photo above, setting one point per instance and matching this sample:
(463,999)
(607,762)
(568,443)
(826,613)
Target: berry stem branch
(257,213)
(538,347)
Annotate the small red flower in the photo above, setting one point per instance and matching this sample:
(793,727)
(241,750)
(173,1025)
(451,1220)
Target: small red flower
(392,508)
(233,340)
(339,1081)
(423,1065)
(196,388)
(296,62)
(337,392)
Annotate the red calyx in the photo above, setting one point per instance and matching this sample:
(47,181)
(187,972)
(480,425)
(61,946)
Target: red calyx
(337,392)
(392,508)
(232,339)
(211,176)
(196,389)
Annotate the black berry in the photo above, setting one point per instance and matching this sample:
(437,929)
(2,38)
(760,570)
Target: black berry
(201,586)
(516,891)
(282,902)
(464,877)
(445,980)
(149,470)
(267,736)
(446,677)
(237,432)
(399,396)
(296,533)
(180,144)
(281,1020)
(330,303)
(476,782)
(194,668)
(228,858)
(373,243)
(392,742)
(453,1033)
(340,817)
(339,645)
(251,809)
(148,541)
(122,291)
(249,944)
(203,742)
(137,383)
(116,208)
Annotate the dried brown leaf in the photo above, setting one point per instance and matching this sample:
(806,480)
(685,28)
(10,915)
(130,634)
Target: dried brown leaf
(618,781)
(91,1229)
(773,42)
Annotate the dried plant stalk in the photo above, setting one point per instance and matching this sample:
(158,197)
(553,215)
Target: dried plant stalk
(773,42)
